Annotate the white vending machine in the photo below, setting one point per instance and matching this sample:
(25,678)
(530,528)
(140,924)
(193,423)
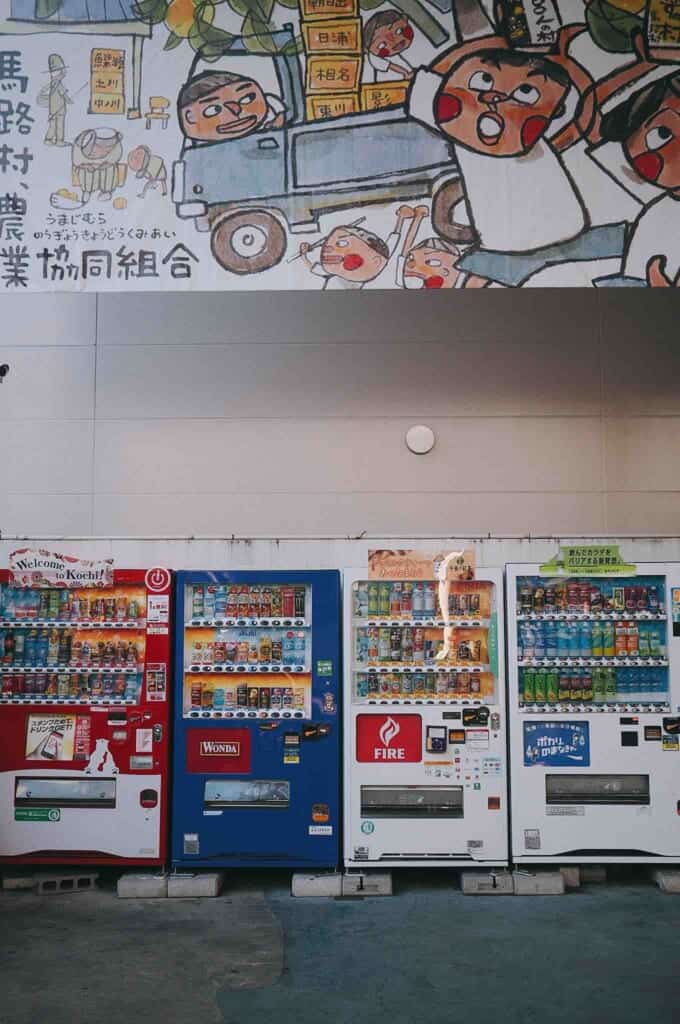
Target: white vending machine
(425,723)
(594,699)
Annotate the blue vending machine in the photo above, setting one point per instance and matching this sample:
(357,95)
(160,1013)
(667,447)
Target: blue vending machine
(257,720)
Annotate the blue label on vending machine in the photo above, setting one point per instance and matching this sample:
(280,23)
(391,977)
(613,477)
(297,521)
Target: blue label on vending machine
(556,744)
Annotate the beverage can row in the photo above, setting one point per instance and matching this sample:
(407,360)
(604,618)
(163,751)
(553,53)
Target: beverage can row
(599,684)
(72,684)
(418,685)
(68,606)
(240,601)
(208,697)
(586,639)
(48,647)
(287,648)
(588,597)
(398,599)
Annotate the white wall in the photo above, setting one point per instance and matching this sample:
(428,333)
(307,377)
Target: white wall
(283,414)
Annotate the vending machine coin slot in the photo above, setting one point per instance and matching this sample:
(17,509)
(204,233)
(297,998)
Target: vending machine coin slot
(148,798)
(435,741)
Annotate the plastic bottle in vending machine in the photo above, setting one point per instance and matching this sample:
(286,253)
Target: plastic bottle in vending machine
(585,639)
(407,644)
(361,601)
(373,600)
(528,691)
(407,600)
(608,639)
(563,639)
(209,601)
(288,599)
(384,644)
(527,641)
(197,602)
(430,600)
(254,602)
(220,602)
(395,600)
(418,645)
(289,648)
(384,592)
(395,643)
(596,637)
(574,640)
(300,648)
(539,639)
(552,686)
(621,639)
(633,639)
(418,600)
(550,634)
(362,646)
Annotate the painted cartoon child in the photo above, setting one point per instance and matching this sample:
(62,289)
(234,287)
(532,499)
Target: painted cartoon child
(219,105)
(496,106)
(351,256)
(386,36)
(152,168)
(648,126)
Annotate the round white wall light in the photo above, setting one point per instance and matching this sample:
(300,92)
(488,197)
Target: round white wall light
(420,439)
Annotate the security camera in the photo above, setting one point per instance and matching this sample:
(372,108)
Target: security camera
(4,370)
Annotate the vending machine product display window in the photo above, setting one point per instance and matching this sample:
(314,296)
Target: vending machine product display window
(594,701)
(84,681)
(424,722)
(256,726)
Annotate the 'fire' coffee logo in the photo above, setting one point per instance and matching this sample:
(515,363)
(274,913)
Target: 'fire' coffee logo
(393,739)
(219,748)
(388,731)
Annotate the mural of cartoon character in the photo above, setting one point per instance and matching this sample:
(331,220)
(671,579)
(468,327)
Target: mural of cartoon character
(219,105)
(350,256)
(386,35)
(55,97)
(496,105)
(648,126)
(97,156)
(149,167)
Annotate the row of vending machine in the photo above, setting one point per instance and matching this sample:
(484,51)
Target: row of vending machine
(206,719)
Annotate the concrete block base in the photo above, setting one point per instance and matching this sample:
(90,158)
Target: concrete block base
(16,882)
(142,886)
(593,873)
(59,882)
(571,874)
(668,880)
(378,883)
(540,883)
(329,884)
(190,886)
(486,883)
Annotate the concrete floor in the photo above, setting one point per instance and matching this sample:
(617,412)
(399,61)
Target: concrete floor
(606,954)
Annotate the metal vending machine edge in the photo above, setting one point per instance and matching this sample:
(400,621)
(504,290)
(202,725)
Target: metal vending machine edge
(256,785)
(105,801)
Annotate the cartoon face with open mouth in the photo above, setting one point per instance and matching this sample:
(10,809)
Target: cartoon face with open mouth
(653,149)
(431,267)
(353,255)
(228,112)
(500,103)
(389,40)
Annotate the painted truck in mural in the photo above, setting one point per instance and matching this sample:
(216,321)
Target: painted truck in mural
(250,191)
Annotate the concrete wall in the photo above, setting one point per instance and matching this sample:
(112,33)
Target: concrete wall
(284,415)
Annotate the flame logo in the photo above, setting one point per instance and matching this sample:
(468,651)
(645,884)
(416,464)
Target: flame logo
(388,730)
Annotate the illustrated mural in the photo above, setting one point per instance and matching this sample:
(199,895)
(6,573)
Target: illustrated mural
(339,144)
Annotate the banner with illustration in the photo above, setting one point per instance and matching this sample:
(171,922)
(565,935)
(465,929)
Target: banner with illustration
(39,568)
(338,144)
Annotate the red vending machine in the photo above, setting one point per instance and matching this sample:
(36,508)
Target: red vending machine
(84,668)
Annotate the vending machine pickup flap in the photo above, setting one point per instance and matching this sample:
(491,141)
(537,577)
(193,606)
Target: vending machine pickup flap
(412,801)
(60,792)
(597,789)
(242,793)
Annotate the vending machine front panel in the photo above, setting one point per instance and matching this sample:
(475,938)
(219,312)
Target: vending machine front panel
(84,676)
(425,754)
(594,671)
(257,719)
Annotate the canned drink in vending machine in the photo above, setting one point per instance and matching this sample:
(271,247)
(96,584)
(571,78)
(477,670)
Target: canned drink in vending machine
(253,696)
(277,603)
(288,697)
(300,602)
(264,698)
(254,603)
(288,599)
(276,698)
(528,687)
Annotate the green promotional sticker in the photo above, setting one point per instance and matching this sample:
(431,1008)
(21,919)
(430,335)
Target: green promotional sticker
(588,560)
(324,668)
(37,814)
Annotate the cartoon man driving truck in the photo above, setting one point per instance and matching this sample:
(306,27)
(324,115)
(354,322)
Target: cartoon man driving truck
(219,105)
